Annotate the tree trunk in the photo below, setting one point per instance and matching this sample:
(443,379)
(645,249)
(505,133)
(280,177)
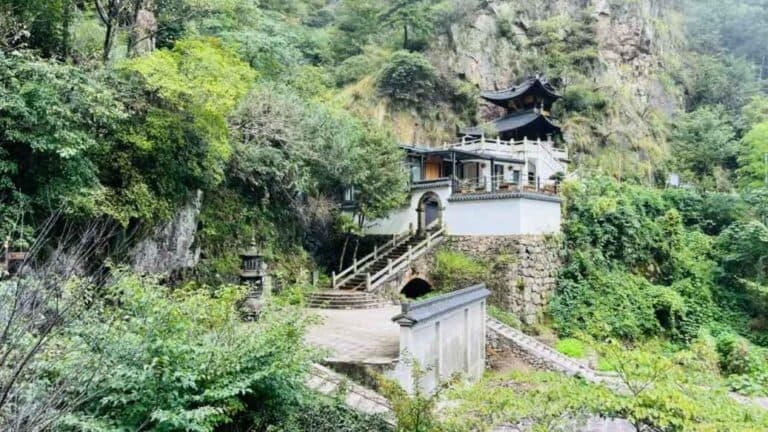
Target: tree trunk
(65,30)
(357,246)
(405,36)
(109,16)
(132,34)
(109,38)
(343,253)
(143,28)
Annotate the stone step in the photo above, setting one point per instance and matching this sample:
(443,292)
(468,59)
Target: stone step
(345,307)
(337,294)
(366,299)
(344,299)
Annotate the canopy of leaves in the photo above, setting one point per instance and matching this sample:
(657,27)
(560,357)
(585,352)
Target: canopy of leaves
(753,166)
(705,147)
(633,267)
(53,118)
(409,79)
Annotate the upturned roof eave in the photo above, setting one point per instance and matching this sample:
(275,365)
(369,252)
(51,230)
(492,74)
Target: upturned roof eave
(498,97)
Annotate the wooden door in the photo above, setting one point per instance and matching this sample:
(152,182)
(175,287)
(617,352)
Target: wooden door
(432,170)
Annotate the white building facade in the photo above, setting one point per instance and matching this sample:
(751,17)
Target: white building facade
(481,188)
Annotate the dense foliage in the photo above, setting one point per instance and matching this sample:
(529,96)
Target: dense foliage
(662,393)
(121,110)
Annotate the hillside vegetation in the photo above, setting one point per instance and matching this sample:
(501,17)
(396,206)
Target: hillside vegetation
(116,114)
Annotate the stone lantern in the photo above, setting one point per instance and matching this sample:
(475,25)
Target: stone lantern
(253,275)
(12,262)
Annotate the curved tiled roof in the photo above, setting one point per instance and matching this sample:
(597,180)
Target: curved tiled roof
(511,122)
(502,96)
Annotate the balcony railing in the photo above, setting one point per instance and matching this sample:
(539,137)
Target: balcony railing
(471,185)
(500,183)
(484,144)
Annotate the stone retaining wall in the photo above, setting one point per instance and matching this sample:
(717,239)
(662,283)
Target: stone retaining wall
(498,346)
(523,269)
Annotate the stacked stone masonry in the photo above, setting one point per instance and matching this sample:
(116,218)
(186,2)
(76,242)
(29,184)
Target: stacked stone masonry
(523,269)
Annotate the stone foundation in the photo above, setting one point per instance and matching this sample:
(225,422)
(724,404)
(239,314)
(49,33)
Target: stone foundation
(523,269)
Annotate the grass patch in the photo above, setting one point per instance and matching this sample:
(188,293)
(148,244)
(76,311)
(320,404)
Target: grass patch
(505,317)
(572,348)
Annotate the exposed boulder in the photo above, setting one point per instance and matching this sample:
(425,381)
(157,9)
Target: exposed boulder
(171,246)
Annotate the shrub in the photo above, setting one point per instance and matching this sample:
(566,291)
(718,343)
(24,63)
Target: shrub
(571,347)
(633,268)
(505,317)
(354,68)
(330,415)
(453,270)
(183,360)
(415,411)
(582,99)
(409,80)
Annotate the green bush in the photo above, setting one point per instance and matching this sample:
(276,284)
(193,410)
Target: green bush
(330,415)
(571,347)
(505,317)
(183,360)
(633,269)
(454,270)
(582,99)
(354,68)
(409,79)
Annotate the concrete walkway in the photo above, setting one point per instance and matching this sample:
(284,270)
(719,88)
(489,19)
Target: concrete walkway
(357,335)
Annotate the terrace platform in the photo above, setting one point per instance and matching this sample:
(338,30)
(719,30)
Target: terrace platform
(364,336)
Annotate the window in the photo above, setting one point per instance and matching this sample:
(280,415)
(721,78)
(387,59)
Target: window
(515,177)
(416,171)
(498,171)
(349,194)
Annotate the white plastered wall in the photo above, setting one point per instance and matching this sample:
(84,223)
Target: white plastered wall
(402,219)
(505,216)
(448,344)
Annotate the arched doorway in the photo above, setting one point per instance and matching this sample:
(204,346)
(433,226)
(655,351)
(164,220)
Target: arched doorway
(429,211)
(416,288)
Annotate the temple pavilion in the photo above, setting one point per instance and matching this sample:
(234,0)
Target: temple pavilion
(527,112)
(497,179)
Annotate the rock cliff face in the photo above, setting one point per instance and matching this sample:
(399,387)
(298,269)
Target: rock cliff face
(171,246)
(486,47)
(490,46)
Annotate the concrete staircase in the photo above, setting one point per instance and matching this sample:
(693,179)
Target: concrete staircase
(359,278)
(355,286)
(337,299)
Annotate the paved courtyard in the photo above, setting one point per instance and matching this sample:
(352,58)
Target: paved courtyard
(357,335)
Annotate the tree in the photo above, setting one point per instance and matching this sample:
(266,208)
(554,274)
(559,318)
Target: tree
(177,139)
(409,80)
(52,118)
(705,147)
(40,375)
(356,24)
(753,162)
(415,17)
(110,13)
(42,25)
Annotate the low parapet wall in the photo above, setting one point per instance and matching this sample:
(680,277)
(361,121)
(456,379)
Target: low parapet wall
(445,335)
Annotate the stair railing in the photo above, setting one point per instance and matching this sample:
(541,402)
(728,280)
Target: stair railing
(372,281)
(364,262)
